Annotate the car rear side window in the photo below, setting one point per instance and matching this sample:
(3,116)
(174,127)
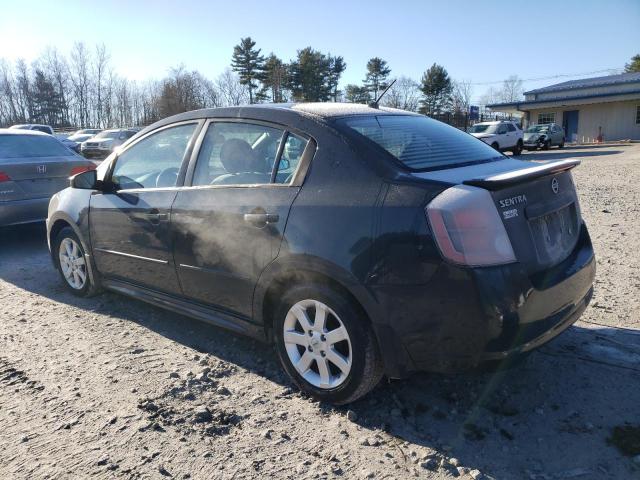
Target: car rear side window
(237,153)
(25,146)
(421,143)
(291,155)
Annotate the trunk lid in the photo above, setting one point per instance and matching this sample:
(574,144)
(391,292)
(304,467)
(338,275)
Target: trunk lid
(36,177)
(537,203)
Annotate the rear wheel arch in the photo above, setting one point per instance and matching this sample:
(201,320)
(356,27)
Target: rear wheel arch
(286,279)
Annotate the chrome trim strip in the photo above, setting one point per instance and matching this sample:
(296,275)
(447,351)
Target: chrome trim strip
(128,255)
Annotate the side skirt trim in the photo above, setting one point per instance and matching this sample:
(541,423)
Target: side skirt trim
(214,317)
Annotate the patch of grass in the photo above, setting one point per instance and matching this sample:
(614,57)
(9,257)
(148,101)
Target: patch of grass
(626,438)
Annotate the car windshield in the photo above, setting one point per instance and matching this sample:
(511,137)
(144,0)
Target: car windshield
(538,129)
(421,143)
(79,137)
(483,128)
(18,146)
(107,134)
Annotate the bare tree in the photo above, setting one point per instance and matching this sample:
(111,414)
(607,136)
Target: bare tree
(80,79)
(100,72)
(232,93)
(461,96)
(512,89)
(404,94)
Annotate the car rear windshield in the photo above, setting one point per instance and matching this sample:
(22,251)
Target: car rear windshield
(17,146)
(421,143)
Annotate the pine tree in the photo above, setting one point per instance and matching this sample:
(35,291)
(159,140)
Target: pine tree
(248,63)
(308,77)
(377,74)
(274,79)
(337,65)
(357,94)
(634,65)
(436,88)
(47,104)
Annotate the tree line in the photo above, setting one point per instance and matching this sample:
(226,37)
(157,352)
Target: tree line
(82,89)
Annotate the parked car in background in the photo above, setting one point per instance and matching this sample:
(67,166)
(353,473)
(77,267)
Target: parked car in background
(34,126)
(75,141)
(101,145)
(86,131)
(33,166)
(543,136)
(501,135)
(361,241)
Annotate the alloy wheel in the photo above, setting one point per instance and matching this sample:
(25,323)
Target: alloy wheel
(317,344)
(72,263)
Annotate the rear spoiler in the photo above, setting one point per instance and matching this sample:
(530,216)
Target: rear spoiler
(501,180)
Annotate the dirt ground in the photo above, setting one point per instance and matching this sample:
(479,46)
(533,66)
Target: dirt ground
(109,387)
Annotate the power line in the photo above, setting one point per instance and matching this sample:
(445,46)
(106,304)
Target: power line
(551,77)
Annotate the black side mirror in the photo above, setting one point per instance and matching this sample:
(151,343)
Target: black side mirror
(86,180)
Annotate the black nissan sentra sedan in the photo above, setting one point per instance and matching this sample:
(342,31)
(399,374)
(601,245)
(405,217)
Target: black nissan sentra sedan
(361,241)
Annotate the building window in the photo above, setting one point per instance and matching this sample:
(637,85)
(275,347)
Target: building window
(638,115)
(547,117)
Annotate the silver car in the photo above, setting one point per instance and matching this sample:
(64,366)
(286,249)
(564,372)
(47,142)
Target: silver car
(33,166)
(543,136)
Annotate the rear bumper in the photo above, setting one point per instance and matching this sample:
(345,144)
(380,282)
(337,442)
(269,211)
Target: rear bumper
(466,316)
(23,211)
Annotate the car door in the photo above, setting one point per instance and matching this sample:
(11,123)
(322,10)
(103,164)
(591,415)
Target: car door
(512,134)
(130,220)
(228,224)
(503,136)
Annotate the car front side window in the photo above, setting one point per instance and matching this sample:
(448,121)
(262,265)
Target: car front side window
(153,162)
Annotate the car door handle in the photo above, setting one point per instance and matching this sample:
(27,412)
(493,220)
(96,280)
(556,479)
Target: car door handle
(261,218)
(156,217)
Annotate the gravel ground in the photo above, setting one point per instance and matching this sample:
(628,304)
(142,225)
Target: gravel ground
(112,388)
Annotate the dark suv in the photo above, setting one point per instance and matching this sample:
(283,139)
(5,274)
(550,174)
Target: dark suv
(361,241)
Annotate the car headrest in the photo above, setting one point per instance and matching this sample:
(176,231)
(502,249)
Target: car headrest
(237,156)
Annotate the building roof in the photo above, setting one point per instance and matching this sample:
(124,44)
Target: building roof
(527,103)
(590,83)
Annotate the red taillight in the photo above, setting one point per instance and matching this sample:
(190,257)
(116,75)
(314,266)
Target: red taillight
(468,229)
(4,177)
(77,170)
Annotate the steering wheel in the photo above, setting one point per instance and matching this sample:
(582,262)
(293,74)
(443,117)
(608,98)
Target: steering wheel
(167,177)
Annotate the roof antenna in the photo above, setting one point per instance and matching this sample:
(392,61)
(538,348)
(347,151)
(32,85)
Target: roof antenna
(376,102)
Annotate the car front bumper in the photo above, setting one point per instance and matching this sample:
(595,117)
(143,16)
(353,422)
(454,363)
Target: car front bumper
(466,316)
(97,153)
(23,211)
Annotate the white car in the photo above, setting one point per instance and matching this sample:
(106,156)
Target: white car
(34,126)
(501,135)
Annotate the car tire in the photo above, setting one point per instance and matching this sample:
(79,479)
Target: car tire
(336,361)
(561,144)
(517,150)
(71,262)
(495,146)
(546,145)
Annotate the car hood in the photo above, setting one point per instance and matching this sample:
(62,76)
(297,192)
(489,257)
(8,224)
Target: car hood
(483,135)
(100,141)
(528,135)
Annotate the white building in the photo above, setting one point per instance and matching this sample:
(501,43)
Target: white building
(605,108)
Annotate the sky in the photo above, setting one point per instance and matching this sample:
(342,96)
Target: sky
(480,41)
